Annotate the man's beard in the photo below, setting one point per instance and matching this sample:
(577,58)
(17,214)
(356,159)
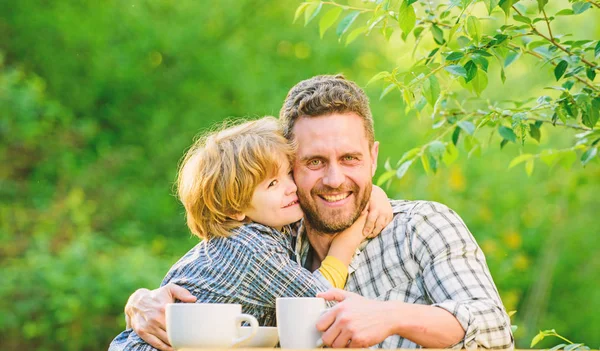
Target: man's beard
(333,221)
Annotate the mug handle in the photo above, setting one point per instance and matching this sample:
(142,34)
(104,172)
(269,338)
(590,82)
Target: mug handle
(253,324)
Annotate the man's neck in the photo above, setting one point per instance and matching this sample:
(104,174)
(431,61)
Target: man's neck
(320,242)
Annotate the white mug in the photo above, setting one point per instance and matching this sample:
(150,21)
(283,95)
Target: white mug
(297,321)
(196,325)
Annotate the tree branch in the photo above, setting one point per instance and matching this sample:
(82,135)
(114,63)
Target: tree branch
(555,43)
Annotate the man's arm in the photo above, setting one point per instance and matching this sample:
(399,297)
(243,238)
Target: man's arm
(358,322)
(466,310)
(145,313)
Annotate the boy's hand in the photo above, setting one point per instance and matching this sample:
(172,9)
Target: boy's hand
(380,213)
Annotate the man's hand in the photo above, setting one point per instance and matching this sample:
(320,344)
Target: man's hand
(354,322)
(380,213)
(145,313)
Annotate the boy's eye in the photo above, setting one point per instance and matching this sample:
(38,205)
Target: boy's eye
(273,183)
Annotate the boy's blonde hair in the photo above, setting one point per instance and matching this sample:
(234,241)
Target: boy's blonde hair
(219,173)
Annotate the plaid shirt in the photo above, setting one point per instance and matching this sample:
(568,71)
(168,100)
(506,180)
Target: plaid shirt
(426,255)
(252,268)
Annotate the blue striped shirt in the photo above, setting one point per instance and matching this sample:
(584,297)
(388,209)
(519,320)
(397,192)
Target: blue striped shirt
(252,267)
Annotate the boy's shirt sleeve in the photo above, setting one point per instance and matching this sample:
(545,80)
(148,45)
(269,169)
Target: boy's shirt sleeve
(335,271)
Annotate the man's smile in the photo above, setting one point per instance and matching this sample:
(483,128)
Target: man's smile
(333,198)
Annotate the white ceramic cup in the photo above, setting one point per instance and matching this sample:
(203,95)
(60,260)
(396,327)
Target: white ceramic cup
(297,321)
(198,325)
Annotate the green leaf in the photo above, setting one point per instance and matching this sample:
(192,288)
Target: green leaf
(479,82)
(560,69)
(592,114)
(300,10)
(426,164)
(385,177)
(453,56)
(379,76)
(520,159)
(529,167)
(567,159)
(457,70)
(557,347)
(467,126)
(572,347)
(590,73)
(564,12)
(450,155)
(597,49)
(510,58)
(346,22)
(514,328)
(407,17)
(436,149)
(541,4)
(471,69)
(502,75)
(549,157)
(580,7)
(312,11)
(537,339)
(534,132)
(455,135)
(507,133)
(491,5)
(403,168)
(482,62)
(410,154)
(431,90)
(522,19)
(355,33)
(329,19)
(438,34)
(387,90)
(474,28)
(506,5)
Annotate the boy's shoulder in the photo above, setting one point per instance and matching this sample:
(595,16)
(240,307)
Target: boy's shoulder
(257,237)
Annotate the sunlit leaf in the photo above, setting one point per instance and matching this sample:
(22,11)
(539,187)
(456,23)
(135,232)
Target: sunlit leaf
(534,132)
(438,34)
(597,49)
(450,155)
(312,11)
(520,159)
(436,148)
(346,22)
(455,135)
(564,12)
(355,33)
(407,17)
(379,76)
(580,7)
(572,347)
(300,10)
(403,168)
(467,126)
(557,347)
(491,4)
(541,4)
(410,154)
(457,70)
(385,177)
(425,161)
(387,90)
(529,167)
(522,19)
(588,155)
(474,27)
(453,56)
(431,90)
(537,339)
(479,82)
(329,19)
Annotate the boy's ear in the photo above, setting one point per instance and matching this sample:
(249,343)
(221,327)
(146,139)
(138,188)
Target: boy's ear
(238,216)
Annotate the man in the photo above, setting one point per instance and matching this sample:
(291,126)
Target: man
(423,281)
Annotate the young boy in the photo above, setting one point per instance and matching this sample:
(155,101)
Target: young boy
(240,198)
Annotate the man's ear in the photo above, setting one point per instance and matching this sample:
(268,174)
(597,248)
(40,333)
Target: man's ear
(374,153)
(238,216)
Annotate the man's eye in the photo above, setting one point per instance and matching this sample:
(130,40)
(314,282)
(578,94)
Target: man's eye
(314,162)
(273,183)
(348,158)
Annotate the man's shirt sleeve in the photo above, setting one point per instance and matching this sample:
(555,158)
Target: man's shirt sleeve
(456,276)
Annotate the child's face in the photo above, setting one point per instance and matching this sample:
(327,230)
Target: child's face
(274,202)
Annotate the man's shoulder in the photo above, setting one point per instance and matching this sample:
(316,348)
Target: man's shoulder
(411,209)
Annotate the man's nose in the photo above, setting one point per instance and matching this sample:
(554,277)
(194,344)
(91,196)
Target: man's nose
(334,177)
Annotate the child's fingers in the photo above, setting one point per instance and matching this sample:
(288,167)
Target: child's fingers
(370,223)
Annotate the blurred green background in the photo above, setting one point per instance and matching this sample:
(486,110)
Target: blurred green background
(98,101)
